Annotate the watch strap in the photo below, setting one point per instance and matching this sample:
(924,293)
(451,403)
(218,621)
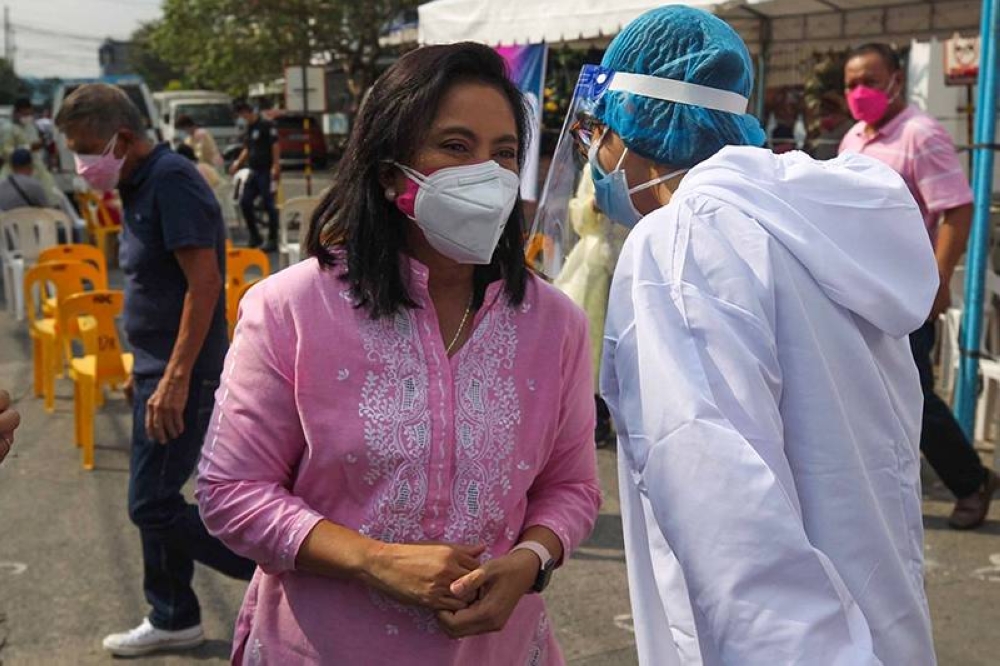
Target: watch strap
(547,564)
(544,556)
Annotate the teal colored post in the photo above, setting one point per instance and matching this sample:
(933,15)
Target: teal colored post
(982,186)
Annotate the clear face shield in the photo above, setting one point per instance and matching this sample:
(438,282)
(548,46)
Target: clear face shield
(568,191)
(567,210)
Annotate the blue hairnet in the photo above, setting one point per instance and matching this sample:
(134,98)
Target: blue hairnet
(685,44)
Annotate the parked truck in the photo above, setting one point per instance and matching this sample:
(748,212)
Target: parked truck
(210,110)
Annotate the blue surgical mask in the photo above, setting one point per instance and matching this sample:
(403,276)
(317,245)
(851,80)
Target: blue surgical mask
(611,190)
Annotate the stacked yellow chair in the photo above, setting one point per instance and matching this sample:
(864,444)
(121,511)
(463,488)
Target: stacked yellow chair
(78,252)
(239,262)
(74,252)
(102,363)
(46,285)
(100,223)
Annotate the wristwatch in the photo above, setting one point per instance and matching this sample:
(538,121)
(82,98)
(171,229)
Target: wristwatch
(545,558)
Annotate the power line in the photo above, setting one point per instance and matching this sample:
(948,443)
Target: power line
(52,58)
(56,33)
(154,4)
(67,53)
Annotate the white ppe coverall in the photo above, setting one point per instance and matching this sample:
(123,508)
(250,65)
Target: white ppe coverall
(757,366)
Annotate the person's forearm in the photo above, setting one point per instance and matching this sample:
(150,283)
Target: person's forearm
(276,156)
(335,551)
(196,319)
(952,238)
(238,164)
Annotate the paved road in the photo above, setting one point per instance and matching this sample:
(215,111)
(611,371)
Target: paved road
(70,560)
(294,182)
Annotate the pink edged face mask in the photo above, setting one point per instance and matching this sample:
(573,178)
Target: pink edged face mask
(103,171)
(461,210)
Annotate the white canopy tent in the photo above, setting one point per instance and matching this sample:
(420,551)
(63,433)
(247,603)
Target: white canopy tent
(787,31)
(506,22)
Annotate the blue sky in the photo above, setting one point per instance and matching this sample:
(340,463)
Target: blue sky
(60,37)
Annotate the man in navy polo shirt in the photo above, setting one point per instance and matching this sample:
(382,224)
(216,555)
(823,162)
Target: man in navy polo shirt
(173,257)
(262,153)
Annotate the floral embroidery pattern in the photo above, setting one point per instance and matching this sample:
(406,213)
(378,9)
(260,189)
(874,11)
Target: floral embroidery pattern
(397,428)
(397,440)
(487,413)
(537,652)
(397,432)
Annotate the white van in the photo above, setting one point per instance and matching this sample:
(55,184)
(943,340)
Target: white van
(211,110)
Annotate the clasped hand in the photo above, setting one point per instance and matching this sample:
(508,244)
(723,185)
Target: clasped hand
(470,598)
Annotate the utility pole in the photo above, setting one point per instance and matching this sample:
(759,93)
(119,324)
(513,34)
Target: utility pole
(307,126)
(8,47)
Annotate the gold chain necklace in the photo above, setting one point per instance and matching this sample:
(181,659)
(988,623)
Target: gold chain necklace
(461,327)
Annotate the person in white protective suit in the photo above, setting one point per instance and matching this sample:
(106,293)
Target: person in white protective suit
(757,367)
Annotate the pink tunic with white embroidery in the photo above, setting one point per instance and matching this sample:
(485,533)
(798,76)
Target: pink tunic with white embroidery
(325,413)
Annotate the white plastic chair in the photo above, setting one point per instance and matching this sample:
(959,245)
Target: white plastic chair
(988,401)
(24,233)
(224,195)
(294,217)
(951,323)
(77,222)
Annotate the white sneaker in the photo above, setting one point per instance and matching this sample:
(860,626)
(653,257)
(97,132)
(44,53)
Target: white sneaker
(146,638)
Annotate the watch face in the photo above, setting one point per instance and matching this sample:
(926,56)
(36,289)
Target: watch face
(544,576)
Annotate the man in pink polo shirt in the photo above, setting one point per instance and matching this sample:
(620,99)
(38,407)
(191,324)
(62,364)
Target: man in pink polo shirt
(917,147)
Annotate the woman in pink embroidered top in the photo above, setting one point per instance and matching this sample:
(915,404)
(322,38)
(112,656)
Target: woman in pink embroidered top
(404,431)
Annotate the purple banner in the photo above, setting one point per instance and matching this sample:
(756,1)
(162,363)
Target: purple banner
(527,70)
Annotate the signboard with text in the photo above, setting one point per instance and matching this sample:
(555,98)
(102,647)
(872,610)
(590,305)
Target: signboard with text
(961,61)
(305,89)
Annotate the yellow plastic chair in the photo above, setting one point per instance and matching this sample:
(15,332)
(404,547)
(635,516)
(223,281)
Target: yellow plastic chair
(99,221)
(102,362)
(78,252)
(240,293)
(50,283)
(239,262)
(74,252)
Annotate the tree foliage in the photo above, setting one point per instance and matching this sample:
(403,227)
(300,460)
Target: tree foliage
(232,44)
(147,62)
(11,85)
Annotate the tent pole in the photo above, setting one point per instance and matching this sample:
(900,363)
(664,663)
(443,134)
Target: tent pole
(982,185)
(762,59)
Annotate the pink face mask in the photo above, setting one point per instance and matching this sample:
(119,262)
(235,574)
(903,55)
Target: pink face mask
(869,104)
(103,171)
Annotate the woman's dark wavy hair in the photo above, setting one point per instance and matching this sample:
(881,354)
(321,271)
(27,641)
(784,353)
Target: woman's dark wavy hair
(391,125)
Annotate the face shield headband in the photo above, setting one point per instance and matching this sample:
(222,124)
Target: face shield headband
(553,233)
